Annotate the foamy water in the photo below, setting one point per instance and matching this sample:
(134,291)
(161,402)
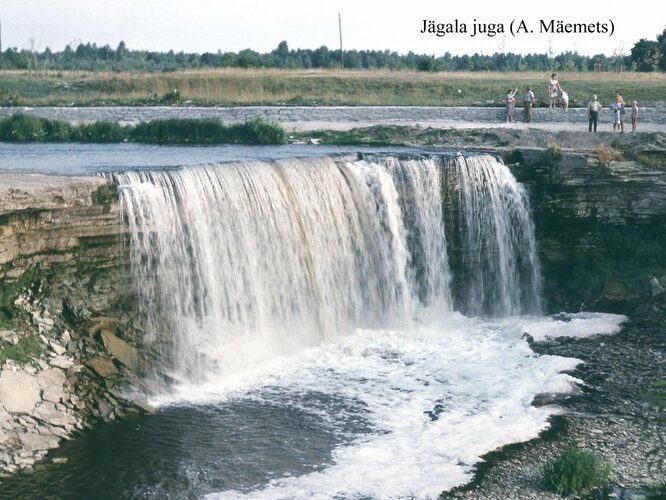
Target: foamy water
(437,398)
(268,281)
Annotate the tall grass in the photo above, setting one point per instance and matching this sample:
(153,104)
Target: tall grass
(575,471)
(23,128)
(309,87)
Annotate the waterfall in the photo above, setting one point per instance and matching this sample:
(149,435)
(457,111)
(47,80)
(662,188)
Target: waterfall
(238,263)
(499,270)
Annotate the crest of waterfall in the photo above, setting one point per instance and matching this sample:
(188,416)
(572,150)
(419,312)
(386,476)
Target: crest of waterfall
(238,263)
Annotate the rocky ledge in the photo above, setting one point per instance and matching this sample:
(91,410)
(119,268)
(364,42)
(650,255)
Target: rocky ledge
(63,358)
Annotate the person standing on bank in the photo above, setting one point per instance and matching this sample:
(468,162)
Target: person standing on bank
(553,88)
(634,116)
(528,102)
(619,112)
(593,112)
(510,100)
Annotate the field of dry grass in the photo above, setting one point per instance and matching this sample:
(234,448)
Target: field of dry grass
(227,87)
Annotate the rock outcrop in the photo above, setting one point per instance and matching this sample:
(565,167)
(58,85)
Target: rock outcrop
(63,268)
(601,228)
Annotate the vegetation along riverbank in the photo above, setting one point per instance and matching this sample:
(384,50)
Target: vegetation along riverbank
(22,128)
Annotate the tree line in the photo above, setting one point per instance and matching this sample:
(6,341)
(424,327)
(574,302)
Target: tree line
(645,55)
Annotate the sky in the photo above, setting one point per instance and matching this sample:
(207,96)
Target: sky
(209,26)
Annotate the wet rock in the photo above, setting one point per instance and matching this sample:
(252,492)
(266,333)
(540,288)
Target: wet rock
(105,409)
(19,391)
(143,407)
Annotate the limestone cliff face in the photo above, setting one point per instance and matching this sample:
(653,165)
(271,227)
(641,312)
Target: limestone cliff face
(601,229)
(65,306)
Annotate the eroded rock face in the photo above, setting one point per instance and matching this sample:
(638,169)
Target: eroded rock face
(62,262)
(601,230)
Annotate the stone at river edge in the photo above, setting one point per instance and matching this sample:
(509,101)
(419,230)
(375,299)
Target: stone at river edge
(36,411)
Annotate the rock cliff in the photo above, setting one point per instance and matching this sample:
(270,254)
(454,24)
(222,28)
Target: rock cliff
(63,311)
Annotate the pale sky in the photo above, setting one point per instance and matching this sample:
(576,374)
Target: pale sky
(209,26)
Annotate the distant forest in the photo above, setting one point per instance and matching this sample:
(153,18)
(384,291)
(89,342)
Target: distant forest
(645,55)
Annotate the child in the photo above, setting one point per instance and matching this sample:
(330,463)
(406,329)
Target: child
(634,115)
(510,100)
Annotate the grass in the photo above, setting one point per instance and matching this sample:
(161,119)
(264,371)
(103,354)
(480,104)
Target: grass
(27,349)
(237,86)
(23,128)
(575,471)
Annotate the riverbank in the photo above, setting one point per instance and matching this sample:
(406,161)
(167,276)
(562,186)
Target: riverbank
(619,415)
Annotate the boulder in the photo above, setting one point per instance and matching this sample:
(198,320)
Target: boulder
(51,377)
(127,354)
(102,366)
(54,394)
(33,441)
(19,391)
(60,361)
(51,415)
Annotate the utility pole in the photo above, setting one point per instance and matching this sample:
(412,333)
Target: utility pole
(342,57)
(0,45)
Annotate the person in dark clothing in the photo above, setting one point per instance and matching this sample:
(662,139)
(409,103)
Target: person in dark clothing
(593,112)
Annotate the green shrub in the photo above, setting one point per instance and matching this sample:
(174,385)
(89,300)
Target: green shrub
(181,131)
(257,131)
(99,132)
(209,131)
(171,97)
(24,128)
(575,471)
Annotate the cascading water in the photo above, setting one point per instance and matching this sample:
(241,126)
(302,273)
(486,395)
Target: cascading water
(239,263)
(499,269)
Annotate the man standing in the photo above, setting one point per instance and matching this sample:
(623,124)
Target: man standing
(528,102)
(593,112)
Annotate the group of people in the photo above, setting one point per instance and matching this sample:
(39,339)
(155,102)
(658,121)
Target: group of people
(556,94)
(618,109)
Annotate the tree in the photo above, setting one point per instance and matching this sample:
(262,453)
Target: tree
(661,40)
(646,54)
